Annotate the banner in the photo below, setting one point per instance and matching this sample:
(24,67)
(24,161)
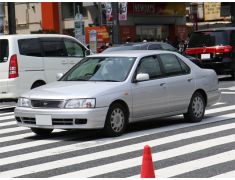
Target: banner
(122,6)
(108,8)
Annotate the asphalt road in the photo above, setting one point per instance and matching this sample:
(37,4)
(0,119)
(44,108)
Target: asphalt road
(179,149)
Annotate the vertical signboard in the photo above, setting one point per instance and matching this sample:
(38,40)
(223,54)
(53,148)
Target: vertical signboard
(79,27)
(93,41)
(122,11)
(1,18)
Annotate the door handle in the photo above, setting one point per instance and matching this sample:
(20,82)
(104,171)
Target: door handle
(162,84)
(189,79)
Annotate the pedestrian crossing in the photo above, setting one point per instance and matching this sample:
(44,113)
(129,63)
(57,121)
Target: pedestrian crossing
(179,149)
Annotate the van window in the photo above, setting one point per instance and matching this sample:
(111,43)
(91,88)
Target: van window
(53,47)
(4,50)
(74,49)
(208,38)
(30,47)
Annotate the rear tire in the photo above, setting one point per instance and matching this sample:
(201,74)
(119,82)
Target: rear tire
(42,132)
(196,109)
(116,120)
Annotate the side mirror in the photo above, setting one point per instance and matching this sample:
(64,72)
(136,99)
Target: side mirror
(142,77)
(88,52)
(59,75)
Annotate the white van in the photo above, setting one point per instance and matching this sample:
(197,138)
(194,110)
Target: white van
(29,61)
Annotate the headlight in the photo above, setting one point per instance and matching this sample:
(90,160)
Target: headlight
(23,102)
(80,103)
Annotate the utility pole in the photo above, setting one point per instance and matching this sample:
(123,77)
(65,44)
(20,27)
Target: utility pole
(115,29)
(11,18)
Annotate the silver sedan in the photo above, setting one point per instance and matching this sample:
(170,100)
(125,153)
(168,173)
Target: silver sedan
(110,90)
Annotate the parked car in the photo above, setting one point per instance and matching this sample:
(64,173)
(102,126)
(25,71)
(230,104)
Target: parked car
(29,61)
(215,48)
(111,90)
(150,46)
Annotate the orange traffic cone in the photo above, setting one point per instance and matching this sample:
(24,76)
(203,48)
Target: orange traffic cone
(147,169)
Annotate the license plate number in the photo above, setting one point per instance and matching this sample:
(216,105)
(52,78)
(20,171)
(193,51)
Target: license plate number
(205,56)
(43,120)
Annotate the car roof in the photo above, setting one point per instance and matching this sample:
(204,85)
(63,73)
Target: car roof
(131,53)
(139,43)
(19,36)
(217,29)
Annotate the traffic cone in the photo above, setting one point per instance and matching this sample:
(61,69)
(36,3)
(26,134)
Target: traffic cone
(147,169)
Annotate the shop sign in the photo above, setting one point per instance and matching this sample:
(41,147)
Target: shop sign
(212,11)
(157,9)
(122,11)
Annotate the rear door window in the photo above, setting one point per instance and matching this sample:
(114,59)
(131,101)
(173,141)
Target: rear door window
(30,47)
(208,38)
(4,50)
(53,47)
(171,65)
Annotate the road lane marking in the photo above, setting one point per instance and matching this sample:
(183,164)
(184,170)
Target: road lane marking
(116,151)
(230,174)
(228,92)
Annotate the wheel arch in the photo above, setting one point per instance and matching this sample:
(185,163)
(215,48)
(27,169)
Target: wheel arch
(203,93)
(42,82)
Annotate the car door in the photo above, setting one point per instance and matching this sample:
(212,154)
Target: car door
(75,51)
(149,97)
(179,81)
(55,57)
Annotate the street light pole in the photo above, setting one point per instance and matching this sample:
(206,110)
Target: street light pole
(11,18)
(115,23)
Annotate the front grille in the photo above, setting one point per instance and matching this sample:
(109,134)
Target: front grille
(27,120)
(46,103)
(62,121)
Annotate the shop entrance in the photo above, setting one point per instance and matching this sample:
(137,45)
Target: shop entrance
(152,33)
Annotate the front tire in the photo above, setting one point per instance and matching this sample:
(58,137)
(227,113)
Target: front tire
(196,109)
(42,132)
(116,120)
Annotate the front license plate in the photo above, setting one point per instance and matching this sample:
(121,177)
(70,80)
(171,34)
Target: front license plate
(205,56)
(43,120)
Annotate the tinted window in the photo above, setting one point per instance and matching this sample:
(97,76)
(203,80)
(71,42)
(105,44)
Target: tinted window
(208,38)
(4,50)
(53,48)
(74,49)
(184,66)
(151,66)
(30,47)
(232,38)
(171,64)
(154,47)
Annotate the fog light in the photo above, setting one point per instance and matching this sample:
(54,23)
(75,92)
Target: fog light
(80,121)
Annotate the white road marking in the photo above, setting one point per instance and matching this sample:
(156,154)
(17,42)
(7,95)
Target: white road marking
(230,174)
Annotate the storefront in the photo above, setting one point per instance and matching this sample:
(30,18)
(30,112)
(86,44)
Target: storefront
(154,21)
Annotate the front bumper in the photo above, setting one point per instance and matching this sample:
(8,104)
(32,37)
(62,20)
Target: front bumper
(63,118)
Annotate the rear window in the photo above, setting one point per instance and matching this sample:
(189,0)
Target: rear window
(4,50)
(30,47)
(121,48)
(208,38)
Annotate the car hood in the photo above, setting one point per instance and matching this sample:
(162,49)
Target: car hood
(70,90)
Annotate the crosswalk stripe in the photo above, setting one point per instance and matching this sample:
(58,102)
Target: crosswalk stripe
(232,88)
(15,137)
(7,117)
(6,107)
(6,114)
(220,109)
(9,130)
(7,123)
(112,152)
(223,92)
(196,164)
(226,175)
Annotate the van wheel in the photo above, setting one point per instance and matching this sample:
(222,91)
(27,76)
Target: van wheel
(116,120)
(42,132)
(37,84)
(196,109)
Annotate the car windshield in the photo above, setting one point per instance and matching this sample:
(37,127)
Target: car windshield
(208,38)
(113,69)
(121,48)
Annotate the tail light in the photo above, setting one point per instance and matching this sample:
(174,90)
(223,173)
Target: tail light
(13,67)
(213,49)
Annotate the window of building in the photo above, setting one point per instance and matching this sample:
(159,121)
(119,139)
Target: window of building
(30,47)
(70,9)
